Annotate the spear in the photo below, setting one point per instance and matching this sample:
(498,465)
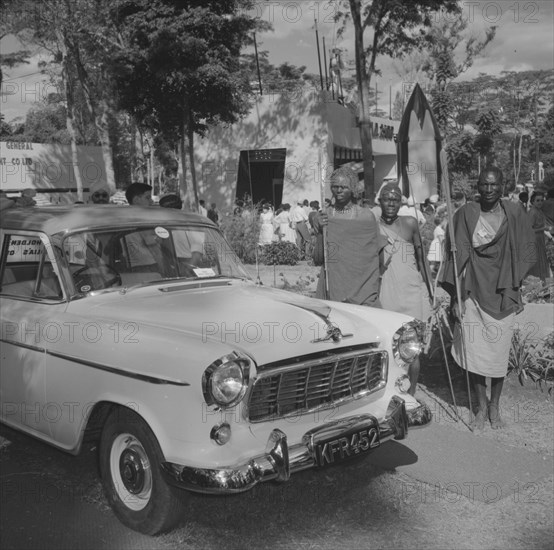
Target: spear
(421,162)
(418,144)
(453,250)
(324,229)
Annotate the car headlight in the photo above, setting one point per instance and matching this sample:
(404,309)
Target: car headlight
(407,343)
(225,381)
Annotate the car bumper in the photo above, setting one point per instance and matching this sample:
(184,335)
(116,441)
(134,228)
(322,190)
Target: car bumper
(280,460)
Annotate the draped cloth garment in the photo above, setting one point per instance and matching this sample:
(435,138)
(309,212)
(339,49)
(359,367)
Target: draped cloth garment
(402,286)
(539,221)
(491,267)
(353,242)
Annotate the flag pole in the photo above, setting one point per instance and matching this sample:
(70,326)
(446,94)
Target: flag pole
(453,250)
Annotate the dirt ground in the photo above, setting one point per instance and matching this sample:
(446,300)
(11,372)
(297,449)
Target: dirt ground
(523,520)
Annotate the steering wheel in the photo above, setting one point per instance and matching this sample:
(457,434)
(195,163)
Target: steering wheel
(93,277)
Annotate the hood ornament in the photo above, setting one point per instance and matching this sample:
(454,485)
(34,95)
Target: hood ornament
(332,332)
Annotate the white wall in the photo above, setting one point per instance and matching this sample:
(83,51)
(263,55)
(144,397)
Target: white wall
(306,124)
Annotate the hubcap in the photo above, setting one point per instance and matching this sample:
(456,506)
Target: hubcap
(131,471)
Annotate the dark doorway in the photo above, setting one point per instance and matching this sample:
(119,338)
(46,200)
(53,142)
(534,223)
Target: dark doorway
(260,176)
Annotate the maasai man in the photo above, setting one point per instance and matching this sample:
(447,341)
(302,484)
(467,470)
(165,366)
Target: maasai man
(352,245)
(495,251)
(403,287)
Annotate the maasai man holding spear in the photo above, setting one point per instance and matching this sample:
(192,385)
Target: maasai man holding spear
(494,251)
(353,244)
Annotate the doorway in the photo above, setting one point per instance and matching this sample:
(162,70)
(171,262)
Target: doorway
(261,174)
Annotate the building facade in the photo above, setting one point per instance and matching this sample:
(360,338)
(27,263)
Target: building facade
(283,149)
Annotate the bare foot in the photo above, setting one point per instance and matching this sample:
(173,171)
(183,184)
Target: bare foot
(494,417)
(478,422)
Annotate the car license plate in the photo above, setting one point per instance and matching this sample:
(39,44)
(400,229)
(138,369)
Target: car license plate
(351,443)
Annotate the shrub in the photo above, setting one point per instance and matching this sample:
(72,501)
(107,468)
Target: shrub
(533,359)
(550,253)
(280,253)
(534,291)
(242,233)
(301,286)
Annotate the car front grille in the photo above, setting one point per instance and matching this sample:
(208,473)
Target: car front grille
(320,383)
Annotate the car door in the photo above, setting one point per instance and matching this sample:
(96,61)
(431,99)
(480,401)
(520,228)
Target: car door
(31,298)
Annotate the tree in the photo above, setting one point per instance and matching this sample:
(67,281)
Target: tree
(76,33)
(489,126)
(461,152)
(546,139)
(443,66)
(10,23)
(521,101)
(45,123)
(398,26)
(285,77)
(179,68)
(451,47)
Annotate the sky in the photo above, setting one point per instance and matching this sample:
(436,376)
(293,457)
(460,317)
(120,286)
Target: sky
(524,40)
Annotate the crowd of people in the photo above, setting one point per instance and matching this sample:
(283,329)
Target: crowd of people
(289,224)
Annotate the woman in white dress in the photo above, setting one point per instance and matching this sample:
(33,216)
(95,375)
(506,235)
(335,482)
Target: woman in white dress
(266,225)
(283,221)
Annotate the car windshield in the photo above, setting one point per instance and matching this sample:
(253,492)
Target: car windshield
(123,257)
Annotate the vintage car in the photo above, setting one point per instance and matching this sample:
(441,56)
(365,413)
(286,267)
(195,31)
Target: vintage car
(139,326)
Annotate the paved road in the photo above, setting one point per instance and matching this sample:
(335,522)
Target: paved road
(51,500)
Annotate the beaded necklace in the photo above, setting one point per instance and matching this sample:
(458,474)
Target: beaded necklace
(389,221)
(347,209)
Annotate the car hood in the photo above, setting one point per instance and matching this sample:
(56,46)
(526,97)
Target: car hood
(267,324)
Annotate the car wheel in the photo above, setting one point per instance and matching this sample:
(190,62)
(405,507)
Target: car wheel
(130,459)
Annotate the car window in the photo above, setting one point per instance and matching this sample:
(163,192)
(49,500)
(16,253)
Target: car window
(131,256)
(27,269)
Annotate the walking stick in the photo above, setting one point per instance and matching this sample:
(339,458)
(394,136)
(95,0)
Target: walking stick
(453,250)
(321,172)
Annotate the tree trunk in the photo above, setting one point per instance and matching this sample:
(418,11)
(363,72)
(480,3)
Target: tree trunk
(182,170)
(363,80)
(73,137)
(67,79)
(102,126)
(514,159)
(519,157)
(191,162)
(139,157)
(100,120)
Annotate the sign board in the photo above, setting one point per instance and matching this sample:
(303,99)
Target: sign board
(25,249)
(48,168)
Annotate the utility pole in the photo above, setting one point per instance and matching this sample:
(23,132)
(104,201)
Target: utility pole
(536,143)
(376,96)
(325,65)
(390,98)
(318,53)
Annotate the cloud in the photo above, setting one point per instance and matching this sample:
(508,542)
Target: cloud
(524,36)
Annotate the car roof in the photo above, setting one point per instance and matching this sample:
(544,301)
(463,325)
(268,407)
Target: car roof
(55,219)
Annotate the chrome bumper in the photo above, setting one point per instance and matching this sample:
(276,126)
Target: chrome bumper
(420,416)
(279,460)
